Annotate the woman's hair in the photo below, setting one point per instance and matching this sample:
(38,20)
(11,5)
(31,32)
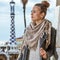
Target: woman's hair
(43,5)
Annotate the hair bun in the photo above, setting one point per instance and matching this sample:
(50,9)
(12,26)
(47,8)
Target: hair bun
(45,3)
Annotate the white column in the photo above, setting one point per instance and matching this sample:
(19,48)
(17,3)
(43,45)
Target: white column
(57,16)
(58,29)
(57,13)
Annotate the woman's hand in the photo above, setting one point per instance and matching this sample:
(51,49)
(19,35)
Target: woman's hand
(43,53)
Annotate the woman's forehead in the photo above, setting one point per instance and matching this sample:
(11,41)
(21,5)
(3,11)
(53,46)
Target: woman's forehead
(36,8)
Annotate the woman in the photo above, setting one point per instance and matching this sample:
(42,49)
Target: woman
(35,31)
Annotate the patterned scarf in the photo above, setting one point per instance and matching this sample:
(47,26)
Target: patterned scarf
(34,32)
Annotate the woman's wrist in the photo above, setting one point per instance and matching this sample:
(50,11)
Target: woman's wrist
(45,57)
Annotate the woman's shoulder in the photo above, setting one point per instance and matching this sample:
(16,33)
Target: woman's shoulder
(48,21)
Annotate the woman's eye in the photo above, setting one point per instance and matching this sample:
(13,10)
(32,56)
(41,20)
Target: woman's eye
(33,11)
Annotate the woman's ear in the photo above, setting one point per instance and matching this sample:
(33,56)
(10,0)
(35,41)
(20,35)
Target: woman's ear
(42,15)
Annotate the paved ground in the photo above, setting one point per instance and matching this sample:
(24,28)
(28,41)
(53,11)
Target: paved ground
(58,52)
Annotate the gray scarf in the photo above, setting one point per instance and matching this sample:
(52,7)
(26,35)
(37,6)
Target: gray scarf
(34,32)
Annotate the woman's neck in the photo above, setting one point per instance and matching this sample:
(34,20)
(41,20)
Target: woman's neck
(38,22)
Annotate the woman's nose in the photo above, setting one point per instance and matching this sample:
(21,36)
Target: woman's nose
(31,13)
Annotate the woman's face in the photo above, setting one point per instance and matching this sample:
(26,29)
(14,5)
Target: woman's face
(35,14)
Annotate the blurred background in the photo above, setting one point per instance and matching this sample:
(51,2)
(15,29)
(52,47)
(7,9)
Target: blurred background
(19,18)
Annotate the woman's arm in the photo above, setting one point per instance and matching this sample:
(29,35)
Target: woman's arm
(46,53)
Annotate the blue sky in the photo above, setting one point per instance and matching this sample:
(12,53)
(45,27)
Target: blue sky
(19,20)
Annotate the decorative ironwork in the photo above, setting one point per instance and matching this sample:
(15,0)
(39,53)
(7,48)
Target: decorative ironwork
(12,36)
